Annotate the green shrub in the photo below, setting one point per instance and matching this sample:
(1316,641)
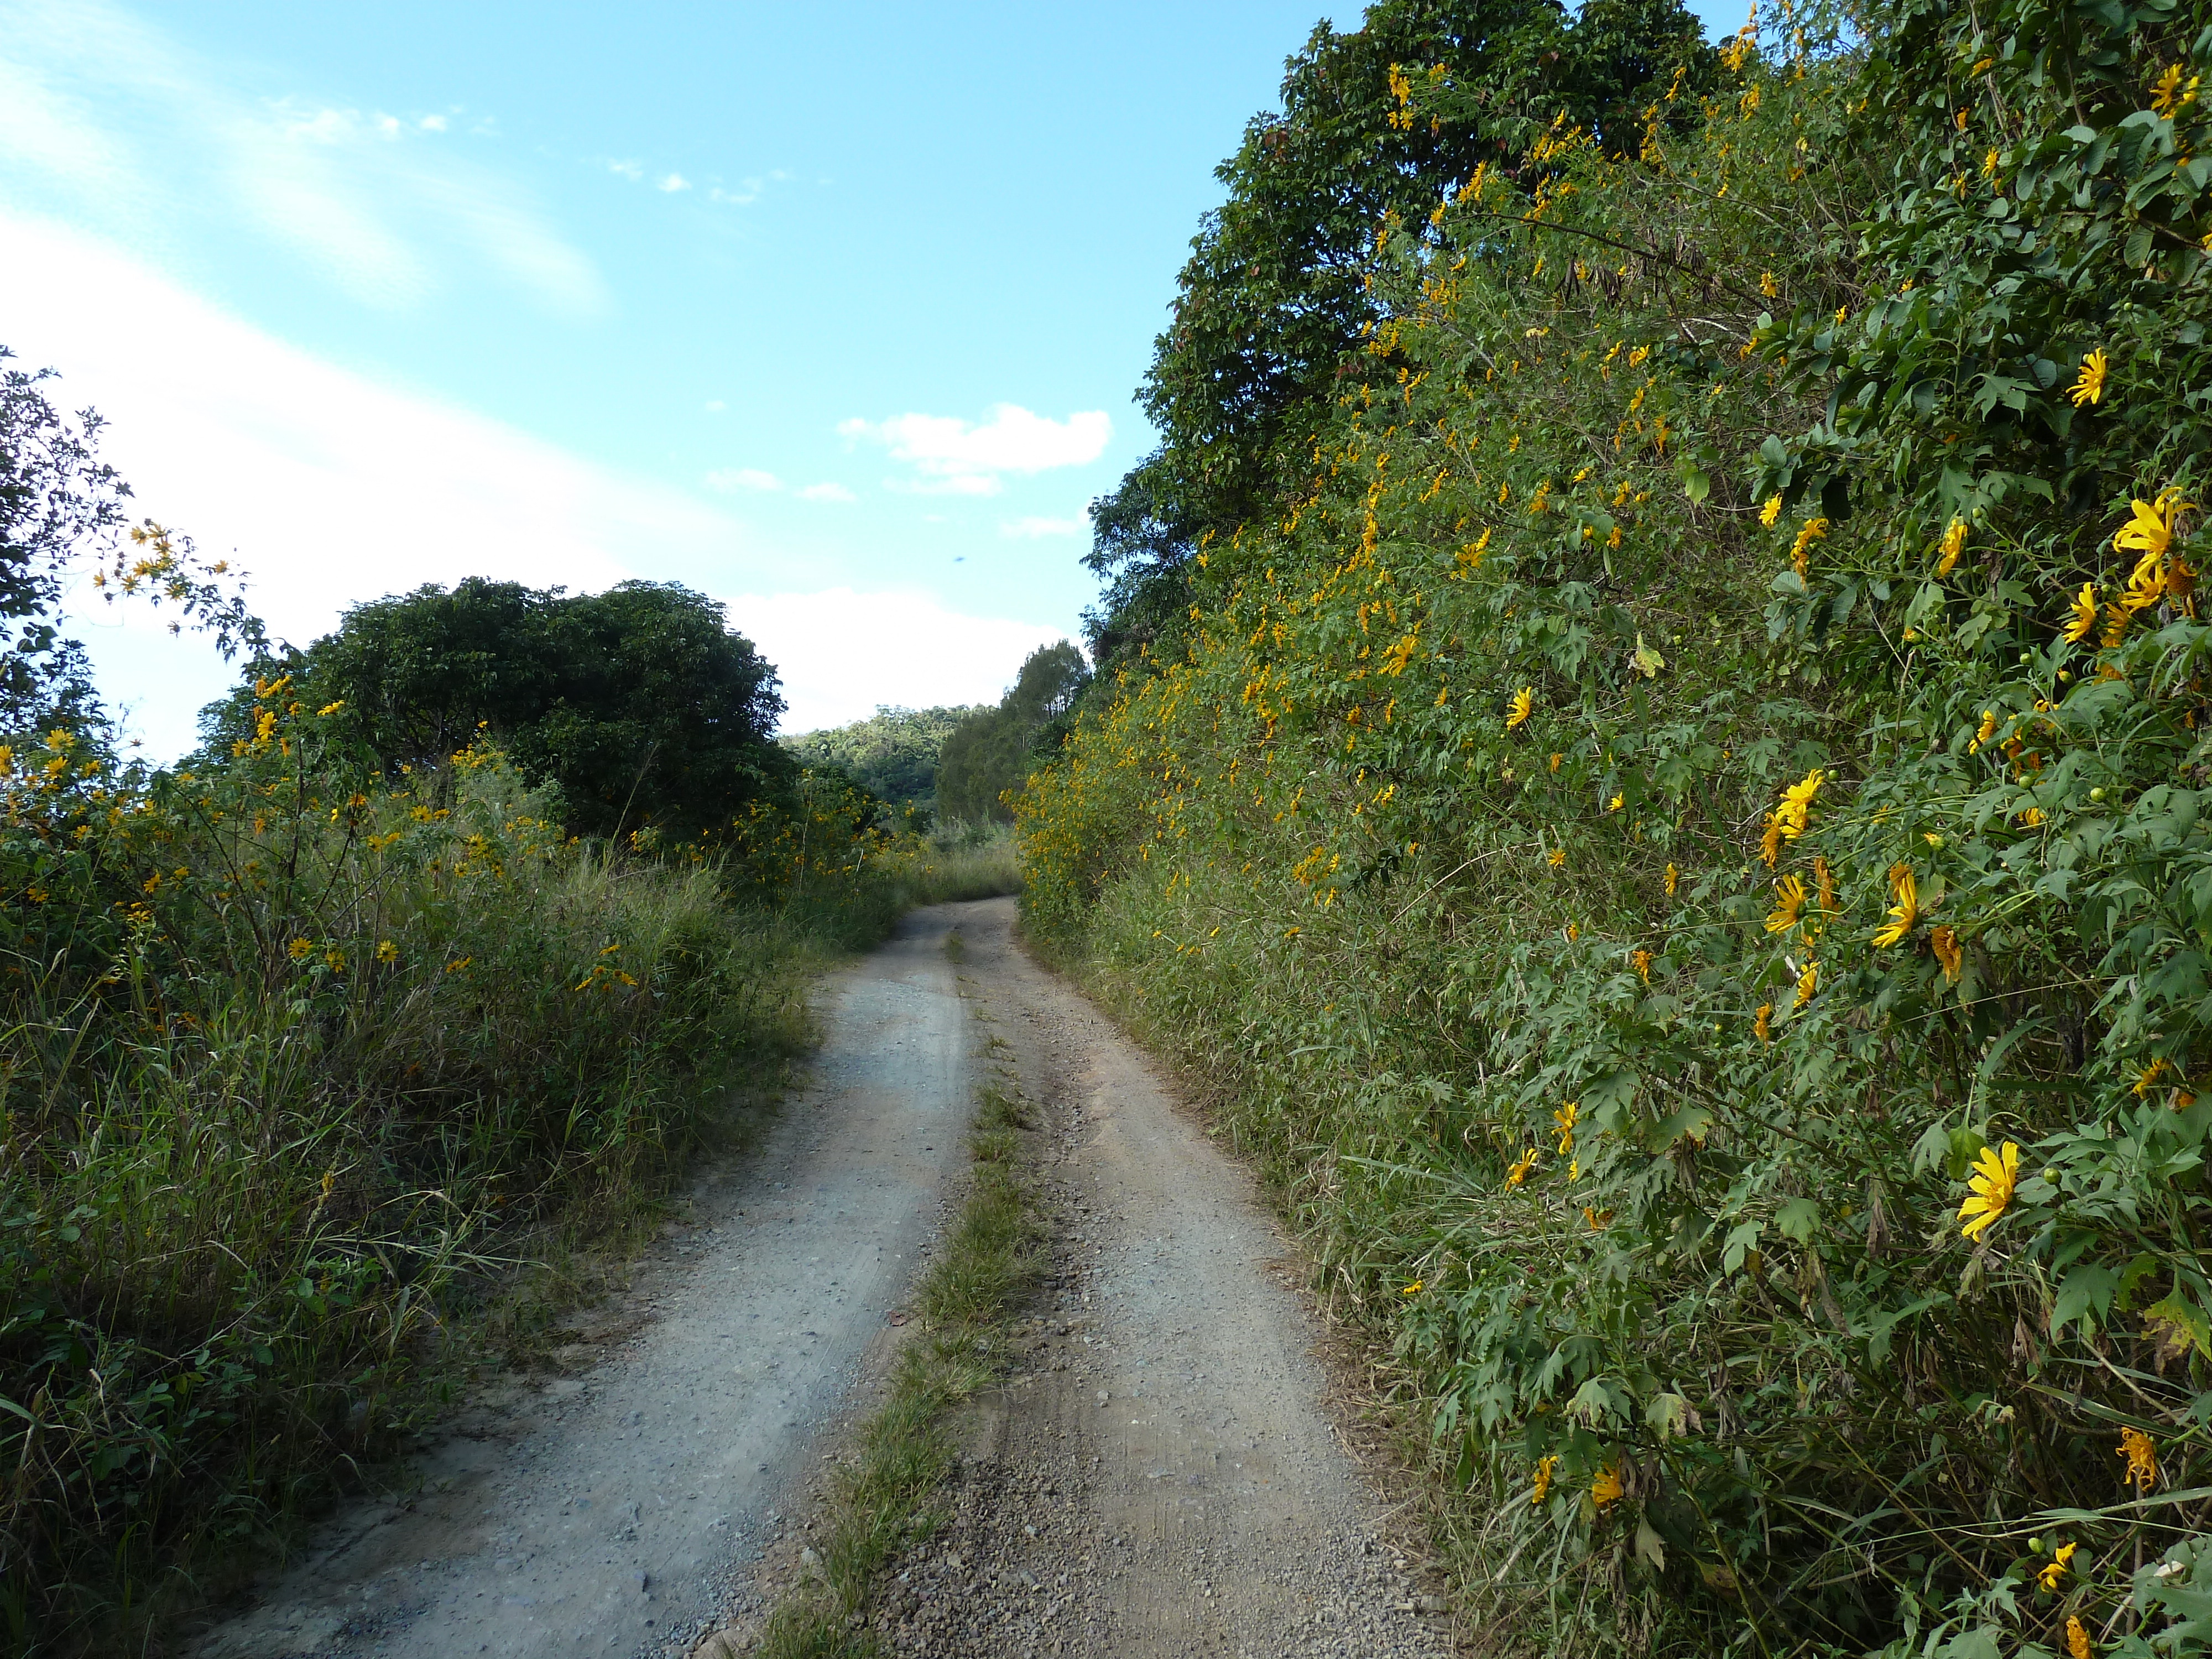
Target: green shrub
(1630,836)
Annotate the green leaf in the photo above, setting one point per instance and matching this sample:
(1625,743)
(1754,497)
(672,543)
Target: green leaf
(2086,1294)
(1800,1218)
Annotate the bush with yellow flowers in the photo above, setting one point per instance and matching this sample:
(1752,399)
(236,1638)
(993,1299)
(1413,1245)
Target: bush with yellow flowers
(1678,844)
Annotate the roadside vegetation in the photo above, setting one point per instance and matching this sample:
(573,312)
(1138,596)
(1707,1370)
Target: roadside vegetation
(468,926)
(1651,745)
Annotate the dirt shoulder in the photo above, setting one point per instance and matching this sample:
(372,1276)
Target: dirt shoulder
(1160,1473)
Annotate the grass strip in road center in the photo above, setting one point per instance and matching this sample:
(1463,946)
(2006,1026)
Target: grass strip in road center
(879,1503)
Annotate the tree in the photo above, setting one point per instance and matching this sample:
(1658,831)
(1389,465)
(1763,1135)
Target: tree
(639,705)
(1274,297)
(989,753)
(893,753)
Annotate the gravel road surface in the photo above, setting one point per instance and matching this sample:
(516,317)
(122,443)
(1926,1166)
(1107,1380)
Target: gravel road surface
(619,1511)
(1159,1474)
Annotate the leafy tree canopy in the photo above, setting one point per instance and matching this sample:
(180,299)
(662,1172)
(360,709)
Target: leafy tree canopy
(1277,293)
(990,752)
(893,753)
(640,704)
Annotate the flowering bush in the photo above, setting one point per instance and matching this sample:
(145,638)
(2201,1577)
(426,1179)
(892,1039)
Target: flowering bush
(1681,833)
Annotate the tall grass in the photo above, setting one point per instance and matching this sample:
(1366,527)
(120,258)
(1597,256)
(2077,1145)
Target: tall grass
(293,1064)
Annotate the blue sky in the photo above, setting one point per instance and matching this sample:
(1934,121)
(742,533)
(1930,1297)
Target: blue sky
(832,312)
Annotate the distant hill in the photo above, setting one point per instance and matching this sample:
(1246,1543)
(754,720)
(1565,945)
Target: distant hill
(894,752)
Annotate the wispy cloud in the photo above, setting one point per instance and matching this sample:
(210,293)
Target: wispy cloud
(715,405)
(729,480)
(672,183)
(827,492)
(955,457)
(632,171)
(109,120)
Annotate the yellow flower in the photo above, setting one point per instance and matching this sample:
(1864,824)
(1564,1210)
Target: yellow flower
(1555,761)
(1799,554)
(2150,528)
(1769,839)
(2031,817)
(2084,609)
(1906,911)
(2163,89)
(386,951)
(1788,900)
(299,949)
(1953,545)
(1996,1173)
(1563,1123)
(1795,812)
(2142,1453)
(1826,878)
(1768,286)
(1763,1027)
(1597,1218)
(1807,983)
(1674,879)
(1556,857)
(1613,805)
(1519,1172)
(331,707)
(335,958)
(1945,943)
(2049,1576)
(2088,385)
(1771,511)
(1413,1289)
(2148,1077)
(1641,960)
(1606,1489)
(1524,704)
(1989,165)
(2077,1639)
(458,963)
(1544,1467)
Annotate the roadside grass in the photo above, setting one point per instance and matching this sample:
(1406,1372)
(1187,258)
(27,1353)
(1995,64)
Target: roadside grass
(966,861)
(880,1502)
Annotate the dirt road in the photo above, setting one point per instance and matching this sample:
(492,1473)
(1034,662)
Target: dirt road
(1159,1476)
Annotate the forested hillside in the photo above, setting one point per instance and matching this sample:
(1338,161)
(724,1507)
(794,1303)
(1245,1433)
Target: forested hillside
(893,753)
(1651,746)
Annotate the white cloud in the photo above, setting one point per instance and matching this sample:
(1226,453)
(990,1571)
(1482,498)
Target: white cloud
(966,485)
(842,653)
(362,198)
(715,405)
(827,492)
(969,458)
(1022,528)
(674,182)
(731,479)
(329,487)
(631,170)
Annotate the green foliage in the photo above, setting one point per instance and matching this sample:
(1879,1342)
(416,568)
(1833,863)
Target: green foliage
(1629,829)
(61,506)
(893,753)
(1279,288)
(988,754)
(293,1056)
(640,706)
